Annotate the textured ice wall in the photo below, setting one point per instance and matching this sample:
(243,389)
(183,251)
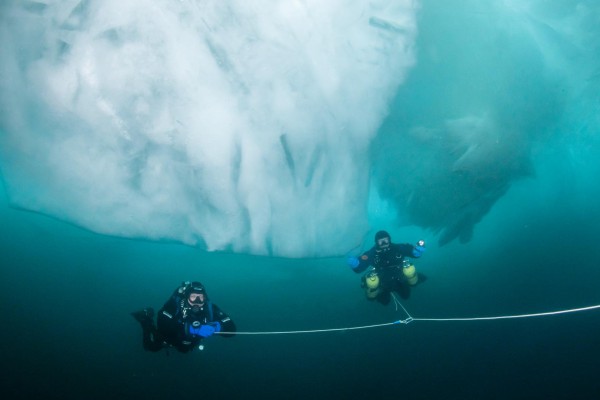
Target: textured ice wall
(234,125)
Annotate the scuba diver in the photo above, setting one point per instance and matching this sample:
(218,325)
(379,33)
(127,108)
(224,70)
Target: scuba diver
(391,270)
(184,321)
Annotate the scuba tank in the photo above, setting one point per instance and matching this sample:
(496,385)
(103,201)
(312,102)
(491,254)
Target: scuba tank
(372,285)
(410,272)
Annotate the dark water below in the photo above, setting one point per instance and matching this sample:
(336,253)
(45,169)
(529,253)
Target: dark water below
(67,333)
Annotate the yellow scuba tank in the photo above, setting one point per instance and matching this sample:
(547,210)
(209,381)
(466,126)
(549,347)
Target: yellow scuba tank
(372,285)
(410,273)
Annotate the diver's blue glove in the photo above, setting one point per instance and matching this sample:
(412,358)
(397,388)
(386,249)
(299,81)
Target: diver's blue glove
(353,262)
(419,248)
(206,330)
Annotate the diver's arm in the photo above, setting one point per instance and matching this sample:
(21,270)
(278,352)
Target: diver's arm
(227,325)
(365,260)
(167,323)
(409,250)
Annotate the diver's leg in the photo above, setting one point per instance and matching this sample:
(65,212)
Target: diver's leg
(384,296)
(150,338)
(401,286)
(403,289)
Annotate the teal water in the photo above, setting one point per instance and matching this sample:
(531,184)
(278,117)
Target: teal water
(488,150)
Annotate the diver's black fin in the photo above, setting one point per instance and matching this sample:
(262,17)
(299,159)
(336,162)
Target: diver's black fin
(144,315)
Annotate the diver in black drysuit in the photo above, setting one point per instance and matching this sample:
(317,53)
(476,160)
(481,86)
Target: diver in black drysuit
(387,258)
(184,321)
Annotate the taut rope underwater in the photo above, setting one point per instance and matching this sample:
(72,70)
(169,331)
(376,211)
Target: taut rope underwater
(410,319)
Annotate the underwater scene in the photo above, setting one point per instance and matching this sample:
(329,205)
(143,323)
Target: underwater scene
(383,199)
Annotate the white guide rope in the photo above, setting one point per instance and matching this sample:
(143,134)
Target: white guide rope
(411,319)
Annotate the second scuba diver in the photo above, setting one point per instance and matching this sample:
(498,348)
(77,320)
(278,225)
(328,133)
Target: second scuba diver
(391,270)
